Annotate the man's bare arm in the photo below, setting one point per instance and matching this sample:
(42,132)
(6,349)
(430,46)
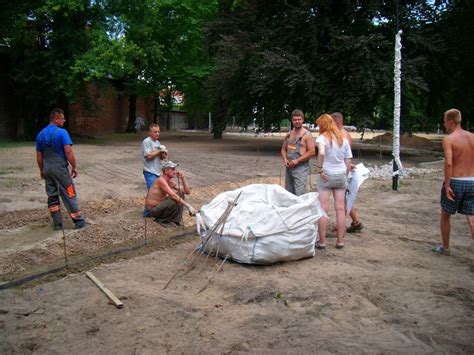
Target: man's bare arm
(448,167)
(166,189)
(39,161)
(309,149)
(71,159)
(283,153)
(174,196)
(184,186)
(153,154)
(347,135)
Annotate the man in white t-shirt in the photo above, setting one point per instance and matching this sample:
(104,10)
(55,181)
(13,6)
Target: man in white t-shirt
(151,158)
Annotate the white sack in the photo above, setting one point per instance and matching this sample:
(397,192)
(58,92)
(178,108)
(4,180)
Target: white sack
(359,175)
(267,225)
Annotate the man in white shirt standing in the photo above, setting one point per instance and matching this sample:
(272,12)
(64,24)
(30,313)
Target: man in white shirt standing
(151,159)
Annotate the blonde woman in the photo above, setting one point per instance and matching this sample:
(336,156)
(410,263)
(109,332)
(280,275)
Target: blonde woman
(333,165)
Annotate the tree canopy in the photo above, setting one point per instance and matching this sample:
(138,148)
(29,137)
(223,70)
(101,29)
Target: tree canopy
(323,56)
(244,60)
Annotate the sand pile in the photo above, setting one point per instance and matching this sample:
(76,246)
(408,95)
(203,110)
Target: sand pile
(407,140)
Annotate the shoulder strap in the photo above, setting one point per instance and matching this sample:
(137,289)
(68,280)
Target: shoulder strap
(52,135)
(301,137)
(287,137)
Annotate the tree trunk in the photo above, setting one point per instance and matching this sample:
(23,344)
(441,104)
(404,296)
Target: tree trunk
(156,107)
(168,120)
(132,113)
(63,103)
(20,121)
(169,107)
(219,121)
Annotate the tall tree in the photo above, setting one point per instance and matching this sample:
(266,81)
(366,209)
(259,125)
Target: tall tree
(150,54)
(272,56)
(453,80)
(43,38)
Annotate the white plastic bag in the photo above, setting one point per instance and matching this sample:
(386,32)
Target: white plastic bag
(359,175)
(267,225)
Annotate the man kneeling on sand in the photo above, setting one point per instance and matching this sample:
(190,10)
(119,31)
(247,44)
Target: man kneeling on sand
(165,198)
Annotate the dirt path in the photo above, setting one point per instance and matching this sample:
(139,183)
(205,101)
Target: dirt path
(384,292)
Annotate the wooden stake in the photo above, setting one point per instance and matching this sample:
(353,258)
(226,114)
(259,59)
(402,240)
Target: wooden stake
(183,197)
(256,163)
(180,268)
(220,222)
(195,253)
(213,275)
(104,289)
(146,241)
(310,182)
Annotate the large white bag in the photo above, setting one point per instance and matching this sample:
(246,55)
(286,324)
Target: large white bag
(267,225)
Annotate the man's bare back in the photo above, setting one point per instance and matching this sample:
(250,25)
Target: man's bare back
(461,145)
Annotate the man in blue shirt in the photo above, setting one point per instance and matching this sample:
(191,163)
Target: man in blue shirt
(53,155)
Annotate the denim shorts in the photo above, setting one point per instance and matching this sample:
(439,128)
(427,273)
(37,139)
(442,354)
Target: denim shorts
(335,182)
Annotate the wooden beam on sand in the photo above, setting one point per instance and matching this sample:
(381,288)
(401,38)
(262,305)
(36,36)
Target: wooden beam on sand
(104,289)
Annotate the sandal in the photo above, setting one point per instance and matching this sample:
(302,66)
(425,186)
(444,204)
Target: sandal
(320,246)
(355,227)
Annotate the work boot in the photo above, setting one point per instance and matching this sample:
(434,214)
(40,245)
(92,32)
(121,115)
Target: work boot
(58,220)
(79,224)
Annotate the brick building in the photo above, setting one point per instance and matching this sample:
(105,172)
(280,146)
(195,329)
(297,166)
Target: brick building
(110,114)
(107,113)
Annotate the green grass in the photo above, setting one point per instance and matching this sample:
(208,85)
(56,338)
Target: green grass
(281,297)
(104,139)
(15,144)
(110,138)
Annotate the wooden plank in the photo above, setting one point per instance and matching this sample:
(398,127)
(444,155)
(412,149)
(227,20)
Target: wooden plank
(104,289)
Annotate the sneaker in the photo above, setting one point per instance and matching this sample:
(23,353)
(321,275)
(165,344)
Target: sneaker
(355,227)
(58,227)
(80,225)
(440,250)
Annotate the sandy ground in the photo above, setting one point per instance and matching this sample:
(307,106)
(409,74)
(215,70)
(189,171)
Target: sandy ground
(384,292)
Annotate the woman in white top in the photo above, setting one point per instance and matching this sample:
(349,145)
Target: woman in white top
(333,165)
